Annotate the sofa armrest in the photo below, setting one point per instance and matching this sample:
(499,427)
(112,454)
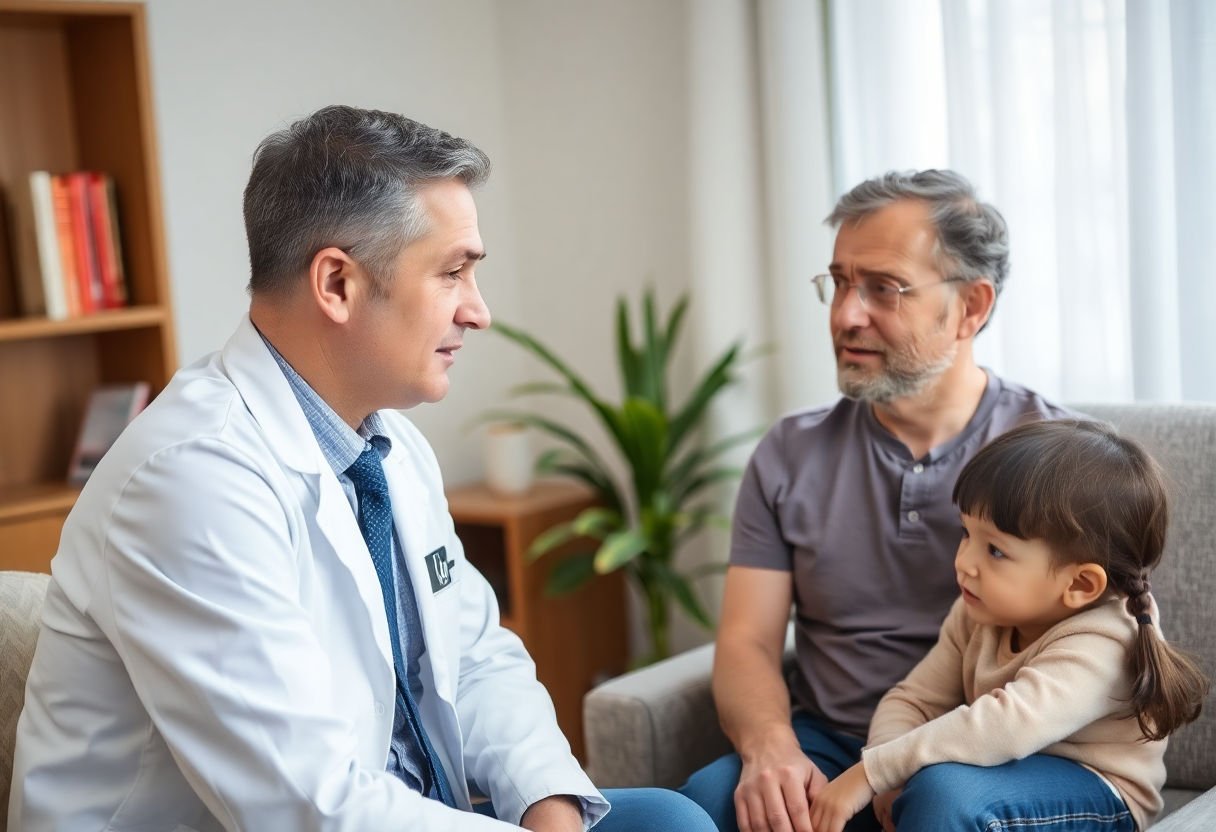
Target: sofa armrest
(657,725)
(654,726)
(1199,815)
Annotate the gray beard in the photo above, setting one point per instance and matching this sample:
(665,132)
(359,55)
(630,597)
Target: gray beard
(897,380)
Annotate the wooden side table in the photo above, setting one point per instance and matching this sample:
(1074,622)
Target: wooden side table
(577,639)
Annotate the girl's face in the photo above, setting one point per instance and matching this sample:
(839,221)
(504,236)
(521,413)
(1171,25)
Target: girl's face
(1010,582)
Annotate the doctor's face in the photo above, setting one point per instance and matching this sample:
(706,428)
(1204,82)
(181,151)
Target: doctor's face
(409,337)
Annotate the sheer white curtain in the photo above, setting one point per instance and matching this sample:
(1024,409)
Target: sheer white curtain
(1091,124)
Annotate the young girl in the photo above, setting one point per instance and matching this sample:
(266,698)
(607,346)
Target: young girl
(1047,700)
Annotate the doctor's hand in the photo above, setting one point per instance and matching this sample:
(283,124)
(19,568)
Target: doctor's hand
(776,786)
(557,813)
(839,800)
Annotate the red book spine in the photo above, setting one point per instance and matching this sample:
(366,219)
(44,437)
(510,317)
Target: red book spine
(62,201)
(87,269)
(99,210)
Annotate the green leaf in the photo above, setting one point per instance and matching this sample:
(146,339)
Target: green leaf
(696,457)
(554,429)
(706,479)
(597,522)
(711,384)
(589,397)
(620,548)
(673,327)
(627,358)
(654,364)
(644,444)
(550,539)
(540,388)
(570,573)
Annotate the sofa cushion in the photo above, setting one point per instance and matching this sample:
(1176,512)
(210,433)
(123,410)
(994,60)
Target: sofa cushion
(21,595)
(1183,439)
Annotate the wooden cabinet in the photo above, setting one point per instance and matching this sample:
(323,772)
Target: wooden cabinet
(74,94)
(576,640)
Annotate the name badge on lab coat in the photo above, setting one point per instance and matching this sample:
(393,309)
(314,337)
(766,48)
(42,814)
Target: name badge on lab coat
(439,568)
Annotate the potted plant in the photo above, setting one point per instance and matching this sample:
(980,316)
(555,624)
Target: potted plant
(640,523)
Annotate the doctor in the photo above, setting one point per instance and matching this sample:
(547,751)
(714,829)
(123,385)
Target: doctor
(260,617)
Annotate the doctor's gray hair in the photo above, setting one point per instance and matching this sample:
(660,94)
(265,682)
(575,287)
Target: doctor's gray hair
(348,178)
(972,239)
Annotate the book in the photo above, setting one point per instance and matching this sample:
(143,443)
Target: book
(53,296)
(62,206)
(123,295)
(88,271)
(105,236)
(110,409)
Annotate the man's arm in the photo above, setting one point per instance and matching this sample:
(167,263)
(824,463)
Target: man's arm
(754,702)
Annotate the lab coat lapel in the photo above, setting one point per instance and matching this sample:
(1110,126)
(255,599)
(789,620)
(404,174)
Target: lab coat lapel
(267,394)
(338,524)
(414,517)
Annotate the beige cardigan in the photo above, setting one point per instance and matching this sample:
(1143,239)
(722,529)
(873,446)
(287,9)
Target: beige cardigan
(973,700)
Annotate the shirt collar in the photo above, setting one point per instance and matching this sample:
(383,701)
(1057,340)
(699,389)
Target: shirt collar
(340,444)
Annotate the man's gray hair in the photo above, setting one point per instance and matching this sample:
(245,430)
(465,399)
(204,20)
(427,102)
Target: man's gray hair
(972,239)
(348,178)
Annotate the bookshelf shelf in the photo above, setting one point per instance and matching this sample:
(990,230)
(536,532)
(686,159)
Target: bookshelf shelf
(25,501)
(75,95)
(19,329)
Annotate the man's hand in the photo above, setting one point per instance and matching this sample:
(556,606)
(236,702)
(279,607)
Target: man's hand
(882,808)
(775,788)
(557,813)
(839,800)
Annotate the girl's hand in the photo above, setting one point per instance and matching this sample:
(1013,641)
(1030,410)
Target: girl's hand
(882,808)
(839,800)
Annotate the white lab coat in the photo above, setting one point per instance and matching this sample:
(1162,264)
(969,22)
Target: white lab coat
(214,650)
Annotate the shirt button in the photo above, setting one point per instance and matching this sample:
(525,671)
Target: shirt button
(913,516)
(917,468)
(379,709)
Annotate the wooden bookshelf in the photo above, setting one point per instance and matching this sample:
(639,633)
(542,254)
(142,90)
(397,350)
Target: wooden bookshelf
(576,640)
(74,95)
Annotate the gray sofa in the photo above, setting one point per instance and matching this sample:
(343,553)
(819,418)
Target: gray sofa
(657,725)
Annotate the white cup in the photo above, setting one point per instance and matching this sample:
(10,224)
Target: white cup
(509,463)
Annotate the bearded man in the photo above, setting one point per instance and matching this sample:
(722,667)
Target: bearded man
(845,510)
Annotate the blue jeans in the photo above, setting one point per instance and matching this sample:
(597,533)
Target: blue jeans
(1040,793)
(635,810)
(713,787)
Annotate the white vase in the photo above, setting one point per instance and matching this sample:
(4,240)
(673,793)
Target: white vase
(509,463)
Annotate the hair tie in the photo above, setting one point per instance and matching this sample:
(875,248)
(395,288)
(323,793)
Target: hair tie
(1144,618)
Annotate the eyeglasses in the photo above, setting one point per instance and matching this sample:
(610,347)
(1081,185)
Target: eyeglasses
(875,293)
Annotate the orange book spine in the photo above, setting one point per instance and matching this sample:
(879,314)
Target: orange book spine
(62,202)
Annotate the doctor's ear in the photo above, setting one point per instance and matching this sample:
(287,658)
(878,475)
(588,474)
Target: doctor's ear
(334,281)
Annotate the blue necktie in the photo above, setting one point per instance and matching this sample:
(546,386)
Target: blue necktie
(376,523)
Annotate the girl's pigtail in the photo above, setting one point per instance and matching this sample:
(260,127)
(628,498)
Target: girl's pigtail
(1168,688)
